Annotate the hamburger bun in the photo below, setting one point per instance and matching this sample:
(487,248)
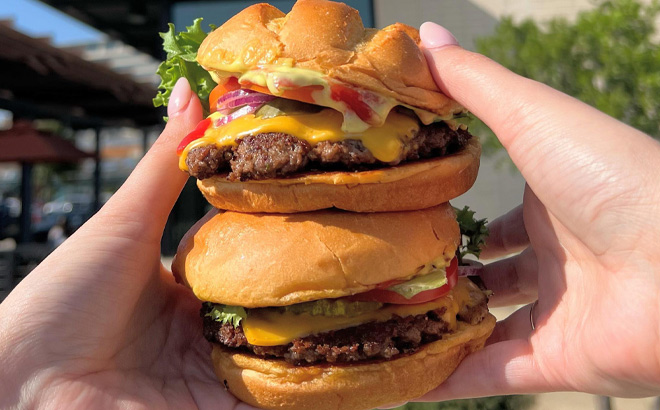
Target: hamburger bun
(410,186)
(328,37)
(263,260)
(361,73)
(275,384)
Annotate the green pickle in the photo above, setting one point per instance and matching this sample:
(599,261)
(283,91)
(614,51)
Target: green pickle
(332,307)
(282,106)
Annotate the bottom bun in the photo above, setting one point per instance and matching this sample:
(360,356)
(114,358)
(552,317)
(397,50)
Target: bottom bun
(275,384)
(406,187)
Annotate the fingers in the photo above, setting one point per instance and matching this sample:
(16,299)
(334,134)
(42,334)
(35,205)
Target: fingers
(514,280)
(145,200)
(555,140)
(505,101)
(501,368)
(517,326)
(507,235)
(479,83)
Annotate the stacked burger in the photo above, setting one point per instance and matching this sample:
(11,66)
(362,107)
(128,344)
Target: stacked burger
(328,273)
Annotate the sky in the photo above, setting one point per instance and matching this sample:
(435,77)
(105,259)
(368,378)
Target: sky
(39,20)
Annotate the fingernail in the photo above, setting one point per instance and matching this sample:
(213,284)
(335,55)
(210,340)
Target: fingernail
(434,36)
(179,98)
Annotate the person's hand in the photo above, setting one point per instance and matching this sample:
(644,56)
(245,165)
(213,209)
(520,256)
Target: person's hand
(590,229)
(101,323)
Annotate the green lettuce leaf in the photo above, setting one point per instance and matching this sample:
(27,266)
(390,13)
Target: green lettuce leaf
(227,314)
(419,284)
(181,61)
(473,232)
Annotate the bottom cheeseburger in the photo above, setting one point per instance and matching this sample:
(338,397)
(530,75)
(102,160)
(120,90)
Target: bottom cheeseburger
(331,309)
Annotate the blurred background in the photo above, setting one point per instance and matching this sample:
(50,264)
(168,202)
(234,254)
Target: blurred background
(77,78)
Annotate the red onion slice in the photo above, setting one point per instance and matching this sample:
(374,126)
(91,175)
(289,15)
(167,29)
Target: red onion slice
(232,95)
(258,98)
(238,98)
(245,110)
(470,268)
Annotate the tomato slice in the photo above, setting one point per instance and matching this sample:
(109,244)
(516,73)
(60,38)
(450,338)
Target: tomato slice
(383,295)
(221,89)
(389,284)
(353,99)
(303,94)
(198,132)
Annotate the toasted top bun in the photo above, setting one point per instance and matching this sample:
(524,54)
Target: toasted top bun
(329,38)
(275,384)
(260,260)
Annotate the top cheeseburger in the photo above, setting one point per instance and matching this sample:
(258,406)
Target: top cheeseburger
(311,103)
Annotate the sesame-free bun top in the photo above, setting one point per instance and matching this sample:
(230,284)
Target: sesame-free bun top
(328,37)
(260,260)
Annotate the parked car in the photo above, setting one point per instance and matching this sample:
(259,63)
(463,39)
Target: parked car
(73,209)
(10,215)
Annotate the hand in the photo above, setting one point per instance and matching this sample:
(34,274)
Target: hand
(590,229)
(101,323)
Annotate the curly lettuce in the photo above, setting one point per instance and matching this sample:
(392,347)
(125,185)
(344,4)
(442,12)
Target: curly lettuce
(181,61)
(227,314)
(473,232)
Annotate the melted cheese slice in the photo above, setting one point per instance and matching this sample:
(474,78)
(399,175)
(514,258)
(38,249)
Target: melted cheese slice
(385,142)
(269,327)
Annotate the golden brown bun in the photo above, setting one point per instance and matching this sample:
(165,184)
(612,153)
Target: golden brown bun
(415,185)
(328,37)
(258,260)
(275,384)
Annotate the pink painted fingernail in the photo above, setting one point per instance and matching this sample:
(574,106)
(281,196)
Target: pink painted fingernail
(180,97)
(434,36)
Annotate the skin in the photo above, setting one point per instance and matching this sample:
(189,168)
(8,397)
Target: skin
(588,229)
(101,323)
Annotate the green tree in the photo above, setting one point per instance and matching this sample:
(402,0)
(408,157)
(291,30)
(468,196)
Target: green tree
(608,57)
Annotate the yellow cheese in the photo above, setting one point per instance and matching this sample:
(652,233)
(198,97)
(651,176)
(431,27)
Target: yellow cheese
(269,327)
(385,142)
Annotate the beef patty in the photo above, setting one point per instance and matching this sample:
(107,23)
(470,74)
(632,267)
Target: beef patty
(369,341)
(274,154)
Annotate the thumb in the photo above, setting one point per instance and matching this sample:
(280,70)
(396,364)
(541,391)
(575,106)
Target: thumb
(528,117)
(573,156)
(144,201)
(502,99)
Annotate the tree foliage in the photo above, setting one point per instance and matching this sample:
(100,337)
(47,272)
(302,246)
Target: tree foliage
(608,57)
